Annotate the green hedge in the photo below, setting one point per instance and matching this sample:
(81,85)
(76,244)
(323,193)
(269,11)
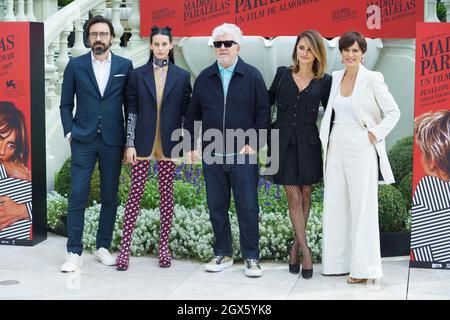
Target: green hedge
(192,235)
(63,3)
(401,158)
(391,209)
(62,182)
(441,11)
(405,188)
(189,188)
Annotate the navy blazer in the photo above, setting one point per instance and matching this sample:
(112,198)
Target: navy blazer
(93,110)
(142,100)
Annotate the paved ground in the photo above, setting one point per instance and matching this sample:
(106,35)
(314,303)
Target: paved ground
(37,271)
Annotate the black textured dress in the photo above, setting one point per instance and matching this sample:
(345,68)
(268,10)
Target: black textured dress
(299,144)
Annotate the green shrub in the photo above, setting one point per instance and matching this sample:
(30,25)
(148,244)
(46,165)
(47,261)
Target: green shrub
(405,188)
(124,183)
(192,236)
(63,3)
(62,182)
(56,210)
(62,179)
(189,195)
(401,158)
(391,209)
(441,11)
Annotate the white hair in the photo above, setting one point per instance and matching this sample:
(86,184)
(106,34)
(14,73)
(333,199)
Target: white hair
(228,28)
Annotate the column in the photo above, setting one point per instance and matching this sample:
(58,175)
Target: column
(20,11)
(78,46)
(99,10)
(30,11)
(51,74)
(118,28)
(63,58)
(2,9)
(9,11)
(51,77)
(134,21)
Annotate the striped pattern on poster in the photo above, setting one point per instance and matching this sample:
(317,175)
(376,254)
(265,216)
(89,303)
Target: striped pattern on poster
(20,192)
(430,229)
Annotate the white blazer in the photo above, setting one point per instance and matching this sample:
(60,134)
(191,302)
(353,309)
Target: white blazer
(370,97)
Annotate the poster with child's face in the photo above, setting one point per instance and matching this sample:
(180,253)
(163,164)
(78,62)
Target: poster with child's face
(430,224)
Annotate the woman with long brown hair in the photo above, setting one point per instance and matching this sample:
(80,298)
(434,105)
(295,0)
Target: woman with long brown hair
(297,92)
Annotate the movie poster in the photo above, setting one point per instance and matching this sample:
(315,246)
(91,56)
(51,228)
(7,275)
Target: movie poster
(21,101)
(271,18)
(430,229)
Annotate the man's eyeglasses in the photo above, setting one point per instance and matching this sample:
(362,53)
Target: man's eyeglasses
(103,35)
(227,43)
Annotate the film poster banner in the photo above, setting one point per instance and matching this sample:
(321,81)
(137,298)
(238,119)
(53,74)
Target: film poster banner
(22,134)
(430,227)
(271,18)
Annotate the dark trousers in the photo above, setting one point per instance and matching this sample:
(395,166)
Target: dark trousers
(242,179)
(84,158)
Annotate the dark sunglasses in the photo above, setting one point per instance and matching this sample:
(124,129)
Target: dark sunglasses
(227,43)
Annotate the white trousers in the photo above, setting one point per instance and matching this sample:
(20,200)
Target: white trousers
(351,239)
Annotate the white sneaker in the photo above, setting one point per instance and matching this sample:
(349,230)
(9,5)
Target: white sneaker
(105,257)
(252,268)
(73,262)
(219,263)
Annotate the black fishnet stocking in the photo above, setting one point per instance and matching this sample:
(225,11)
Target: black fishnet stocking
(299,202)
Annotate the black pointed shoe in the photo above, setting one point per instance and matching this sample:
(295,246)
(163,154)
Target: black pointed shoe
(308,273)
(294,268)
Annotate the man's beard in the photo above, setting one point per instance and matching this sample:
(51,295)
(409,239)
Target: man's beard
(100,48)
(224,59)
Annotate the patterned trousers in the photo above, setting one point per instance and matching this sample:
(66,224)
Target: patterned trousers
(139,173)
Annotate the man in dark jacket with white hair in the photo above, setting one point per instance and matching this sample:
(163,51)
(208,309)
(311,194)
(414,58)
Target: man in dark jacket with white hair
(230,99)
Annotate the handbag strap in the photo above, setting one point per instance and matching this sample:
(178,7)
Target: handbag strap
(277,92)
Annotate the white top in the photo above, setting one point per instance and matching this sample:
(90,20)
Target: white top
(343,110)
(102,70)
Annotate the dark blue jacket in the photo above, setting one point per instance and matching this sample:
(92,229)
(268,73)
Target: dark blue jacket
(246,106)
(93,110)
(141,93)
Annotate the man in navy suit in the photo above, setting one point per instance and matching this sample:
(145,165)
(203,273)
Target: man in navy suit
(98,80)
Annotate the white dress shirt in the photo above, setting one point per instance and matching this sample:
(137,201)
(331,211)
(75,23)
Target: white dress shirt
(102,70)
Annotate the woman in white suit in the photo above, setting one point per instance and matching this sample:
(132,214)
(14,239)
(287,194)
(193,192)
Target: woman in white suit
(359,115)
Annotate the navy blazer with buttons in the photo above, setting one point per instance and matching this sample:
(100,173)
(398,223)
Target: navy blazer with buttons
(92,110)
(142,100)
(297,113)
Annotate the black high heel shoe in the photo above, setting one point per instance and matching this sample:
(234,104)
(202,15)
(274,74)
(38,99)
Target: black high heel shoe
(293,268)
(308,273)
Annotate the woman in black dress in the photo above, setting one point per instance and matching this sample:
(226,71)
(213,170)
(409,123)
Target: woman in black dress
(298,91)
